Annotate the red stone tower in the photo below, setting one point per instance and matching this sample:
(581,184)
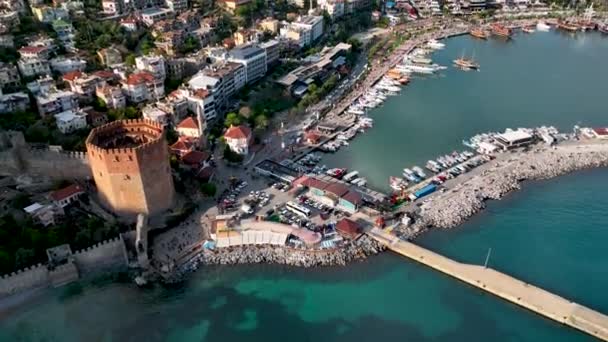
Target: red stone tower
(130,164)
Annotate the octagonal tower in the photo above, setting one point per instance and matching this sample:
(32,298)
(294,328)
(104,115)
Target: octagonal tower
(130,164)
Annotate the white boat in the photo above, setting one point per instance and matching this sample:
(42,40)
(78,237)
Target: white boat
(355,111)
(542,26)
(421,60)
(435,44)
(419,171)
(419,69)
(350,176)
(361,182)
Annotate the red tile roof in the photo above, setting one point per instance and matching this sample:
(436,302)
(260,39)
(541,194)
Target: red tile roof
(348,228)
(66,192)
(205,173)
(182,144)
(72,75)
(106,74)
(353,197)
(312,137)
(32,49)
(316,183)
(195,157)
(601,131)
(337,189)
(238,132)
(140,77)
(201,93)
(188,122)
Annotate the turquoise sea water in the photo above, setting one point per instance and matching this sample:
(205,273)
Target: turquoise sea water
(551,234)
(545,78)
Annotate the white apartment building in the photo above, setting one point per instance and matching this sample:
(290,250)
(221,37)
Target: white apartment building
(335,8)
(153,64)
(32,67)
(143,86)
(9,76)
(56,101)
(112,96)
(149,16)
(15,102)
(151,112)
(70,121)
(177,5)
(64,65)
(253,59)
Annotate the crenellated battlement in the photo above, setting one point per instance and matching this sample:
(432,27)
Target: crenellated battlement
(33,268)
(97,245)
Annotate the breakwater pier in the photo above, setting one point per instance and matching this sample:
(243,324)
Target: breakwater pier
(504,286)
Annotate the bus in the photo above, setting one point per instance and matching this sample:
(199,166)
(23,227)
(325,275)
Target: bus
(298,209)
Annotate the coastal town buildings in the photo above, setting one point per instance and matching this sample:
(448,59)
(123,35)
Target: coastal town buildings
(83,84)
(304,31)
(273,51)
(71,120)
(110,56)
(153,64)
(56,101)
(14,102)
(189,128)
(270,25)
(253,59)
(149,16)
(32,67)
(112,7)
(335,8)
(48,14)
(112,96)
(65,196)
(64,65)
(9,76)
(233,5)
(155,114)
(143,86)
(238,139)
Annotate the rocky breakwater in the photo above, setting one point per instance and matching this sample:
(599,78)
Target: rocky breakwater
(504,175)
(253,254)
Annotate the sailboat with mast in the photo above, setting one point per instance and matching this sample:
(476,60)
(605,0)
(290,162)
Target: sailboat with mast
(466,63)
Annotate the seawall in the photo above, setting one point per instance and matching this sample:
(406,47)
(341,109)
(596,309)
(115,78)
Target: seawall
(505,174)
(504,286)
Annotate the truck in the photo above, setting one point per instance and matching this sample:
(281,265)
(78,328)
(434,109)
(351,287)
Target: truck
(427,190)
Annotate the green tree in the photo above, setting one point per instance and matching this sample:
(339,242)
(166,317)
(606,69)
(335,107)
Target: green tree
(130,59)
(24,257)
(232,119)
(231,156)
(8,55)
(261,122)
(208,189)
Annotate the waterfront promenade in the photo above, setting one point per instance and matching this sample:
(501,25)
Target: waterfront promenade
(504,286)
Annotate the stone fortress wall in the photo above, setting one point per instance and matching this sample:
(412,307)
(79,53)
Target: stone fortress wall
(102,256)
(17,158)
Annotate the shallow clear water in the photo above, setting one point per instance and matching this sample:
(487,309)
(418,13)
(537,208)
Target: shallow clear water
(551,234)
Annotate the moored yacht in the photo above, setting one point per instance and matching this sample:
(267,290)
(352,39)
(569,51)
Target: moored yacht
(435,44)
(542,26)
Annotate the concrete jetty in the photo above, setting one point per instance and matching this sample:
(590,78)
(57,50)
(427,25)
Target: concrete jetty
(502,285)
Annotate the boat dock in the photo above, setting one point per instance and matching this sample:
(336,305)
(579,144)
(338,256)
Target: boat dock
(504,286)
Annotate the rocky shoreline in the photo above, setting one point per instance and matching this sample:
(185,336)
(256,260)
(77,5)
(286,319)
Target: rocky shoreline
(359,249)
(465,200)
